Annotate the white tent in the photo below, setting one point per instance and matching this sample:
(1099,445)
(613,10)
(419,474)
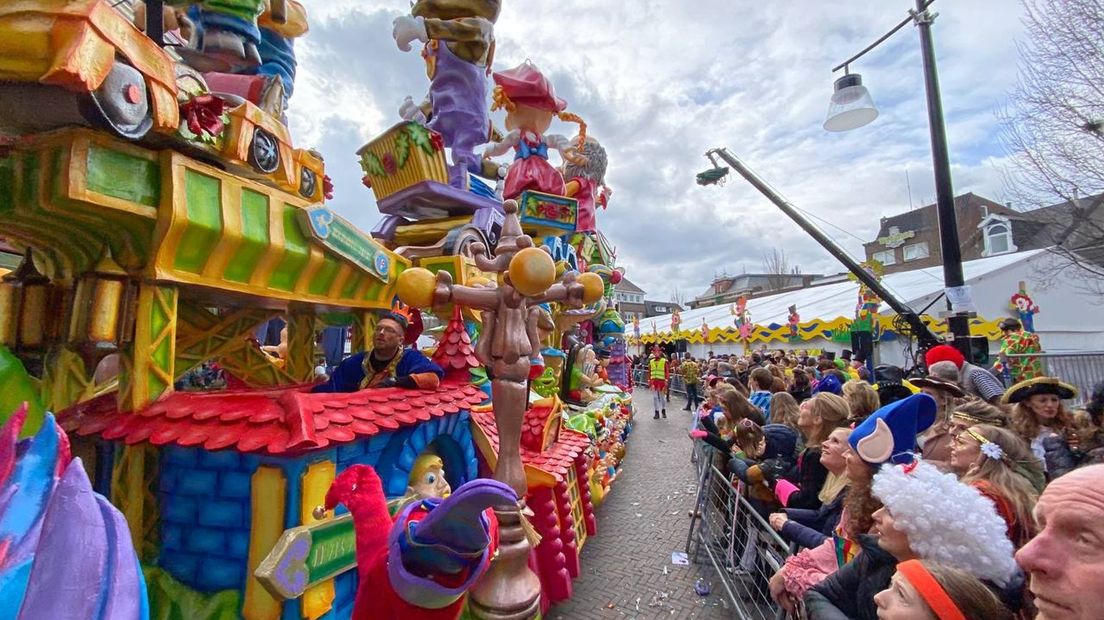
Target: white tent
(1068,319)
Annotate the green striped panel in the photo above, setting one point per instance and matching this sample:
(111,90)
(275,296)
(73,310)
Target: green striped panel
(254,242)
(123,176)
(204,227)
(161,356)
(351,286)
(323,280)
(296,253)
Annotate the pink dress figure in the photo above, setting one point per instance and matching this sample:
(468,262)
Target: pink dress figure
(530,104)
(586,183)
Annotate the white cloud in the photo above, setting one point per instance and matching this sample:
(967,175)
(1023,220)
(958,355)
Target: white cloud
(661,81)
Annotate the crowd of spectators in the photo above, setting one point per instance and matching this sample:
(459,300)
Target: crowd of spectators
(946,495)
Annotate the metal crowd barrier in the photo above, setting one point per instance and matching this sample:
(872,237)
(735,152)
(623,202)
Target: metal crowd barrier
(1083,369)
(727,532)
(676,384)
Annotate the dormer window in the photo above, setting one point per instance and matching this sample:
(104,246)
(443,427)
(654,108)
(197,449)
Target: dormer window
(997,234)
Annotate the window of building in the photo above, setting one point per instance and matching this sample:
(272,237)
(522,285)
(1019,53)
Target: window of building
(916,251)
(886,257)
(998,239)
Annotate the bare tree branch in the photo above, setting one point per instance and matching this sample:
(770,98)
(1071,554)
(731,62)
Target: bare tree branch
(1052,127)
(777,267)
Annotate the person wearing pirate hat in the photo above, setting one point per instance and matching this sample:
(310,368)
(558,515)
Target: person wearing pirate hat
(1040,418)
(389,363)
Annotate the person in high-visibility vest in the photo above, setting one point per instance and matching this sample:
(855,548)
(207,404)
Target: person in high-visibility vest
(658,373)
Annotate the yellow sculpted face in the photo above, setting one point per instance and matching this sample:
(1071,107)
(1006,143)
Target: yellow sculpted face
(427,478)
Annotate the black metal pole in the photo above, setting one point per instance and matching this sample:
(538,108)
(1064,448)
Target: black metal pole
(155,25)
(949,247)
(923,333)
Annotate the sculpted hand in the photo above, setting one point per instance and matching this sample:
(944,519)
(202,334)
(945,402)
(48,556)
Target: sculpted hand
(408,28)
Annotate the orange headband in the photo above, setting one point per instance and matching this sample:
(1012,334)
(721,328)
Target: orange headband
(930,590)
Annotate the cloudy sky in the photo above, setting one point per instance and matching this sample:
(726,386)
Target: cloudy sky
(661,81)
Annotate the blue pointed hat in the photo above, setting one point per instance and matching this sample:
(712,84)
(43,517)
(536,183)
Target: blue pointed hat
(889,434)
(830,384)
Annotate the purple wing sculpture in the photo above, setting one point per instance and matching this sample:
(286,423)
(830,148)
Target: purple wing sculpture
(65,551)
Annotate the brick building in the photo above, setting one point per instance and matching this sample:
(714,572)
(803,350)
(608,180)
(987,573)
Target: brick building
(630,300)
(986,228)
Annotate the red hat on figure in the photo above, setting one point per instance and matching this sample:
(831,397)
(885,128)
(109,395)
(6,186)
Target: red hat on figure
(526,85)
(944,353)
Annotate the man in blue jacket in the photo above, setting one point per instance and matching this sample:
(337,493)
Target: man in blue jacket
(388,364)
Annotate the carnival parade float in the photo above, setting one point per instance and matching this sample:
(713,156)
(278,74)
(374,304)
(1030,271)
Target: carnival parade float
(155,212)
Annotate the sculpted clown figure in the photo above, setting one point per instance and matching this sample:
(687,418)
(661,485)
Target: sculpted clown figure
(531,104)
(459,50)
(586,183)
(419,564)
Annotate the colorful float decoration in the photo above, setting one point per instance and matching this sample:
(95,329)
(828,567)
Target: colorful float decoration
(1024,307)
(158,213)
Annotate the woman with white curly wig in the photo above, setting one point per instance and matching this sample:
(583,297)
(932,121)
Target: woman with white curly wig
(926,515)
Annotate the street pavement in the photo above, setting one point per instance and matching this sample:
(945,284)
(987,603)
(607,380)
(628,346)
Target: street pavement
(626,568)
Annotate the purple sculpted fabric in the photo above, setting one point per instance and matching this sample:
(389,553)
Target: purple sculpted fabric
(458,93)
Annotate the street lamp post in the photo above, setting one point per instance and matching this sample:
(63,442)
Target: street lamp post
(857,109)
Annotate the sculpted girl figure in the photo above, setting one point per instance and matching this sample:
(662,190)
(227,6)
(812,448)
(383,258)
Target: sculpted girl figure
(531,104)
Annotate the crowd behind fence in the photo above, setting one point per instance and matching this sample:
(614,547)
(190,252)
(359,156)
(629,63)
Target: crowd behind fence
(1082,369)
(727,533)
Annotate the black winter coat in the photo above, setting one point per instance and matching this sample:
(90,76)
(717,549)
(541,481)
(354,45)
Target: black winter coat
(810,528)
(848,594)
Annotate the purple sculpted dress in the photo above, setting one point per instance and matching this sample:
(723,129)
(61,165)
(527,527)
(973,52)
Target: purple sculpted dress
(458,94)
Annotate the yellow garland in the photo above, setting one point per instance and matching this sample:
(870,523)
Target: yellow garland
(807,330)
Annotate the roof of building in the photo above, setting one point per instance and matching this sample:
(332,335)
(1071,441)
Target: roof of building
(916,219)
(555,460)
(669,305)
(831,301)
(626,286)
(280,421)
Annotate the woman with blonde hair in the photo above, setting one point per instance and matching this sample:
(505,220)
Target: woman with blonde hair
(1040,419)
(817,418)
(1001,465)
(861,398)
(783,409)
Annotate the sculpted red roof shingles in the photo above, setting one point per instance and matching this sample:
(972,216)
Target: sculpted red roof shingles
(560,455)
(455,351)
(274,421)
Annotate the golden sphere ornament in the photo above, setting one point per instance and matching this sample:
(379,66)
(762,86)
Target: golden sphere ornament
(532,271)
(593,287)
(415,287)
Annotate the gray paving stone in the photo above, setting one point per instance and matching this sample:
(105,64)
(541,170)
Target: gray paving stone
(622,566)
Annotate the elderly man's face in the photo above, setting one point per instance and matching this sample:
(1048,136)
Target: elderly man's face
(1066,558)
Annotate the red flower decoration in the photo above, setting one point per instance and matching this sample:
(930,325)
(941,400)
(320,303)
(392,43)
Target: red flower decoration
(204,115)
(437,141)
(327,186)
(389,164)
(366,180)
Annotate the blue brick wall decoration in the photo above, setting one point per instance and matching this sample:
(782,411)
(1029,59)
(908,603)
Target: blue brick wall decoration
(449,436)
(204,499)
